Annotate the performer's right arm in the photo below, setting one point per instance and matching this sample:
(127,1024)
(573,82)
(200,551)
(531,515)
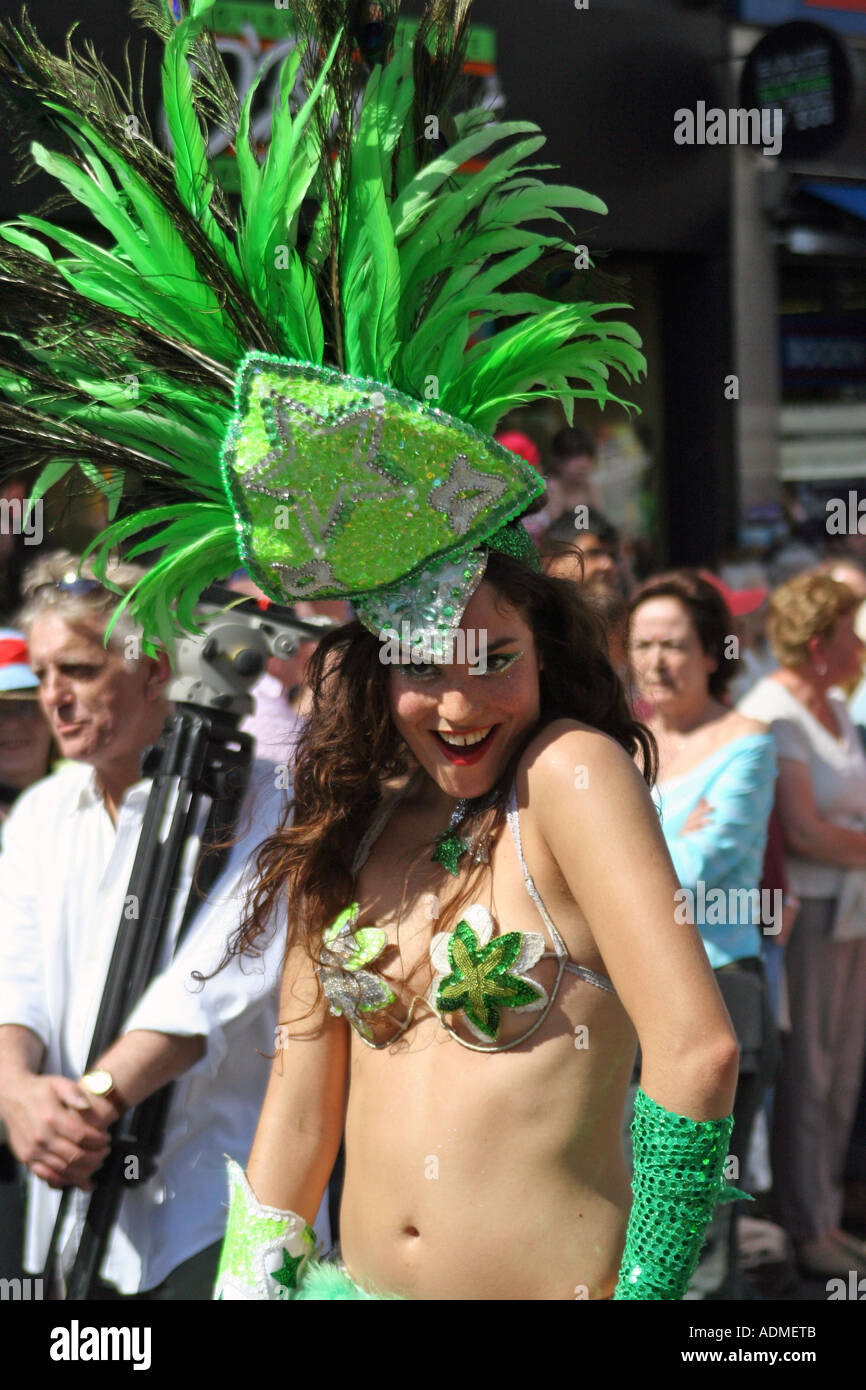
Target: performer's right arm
(301,1123)
(269,1236)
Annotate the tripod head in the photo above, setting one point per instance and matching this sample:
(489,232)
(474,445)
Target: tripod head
(217,669)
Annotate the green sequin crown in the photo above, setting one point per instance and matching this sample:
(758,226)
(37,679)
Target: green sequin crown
(313,379)
(345,487)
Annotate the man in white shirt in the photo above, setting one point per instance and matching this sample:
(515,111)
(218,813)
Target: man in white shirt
(68,850)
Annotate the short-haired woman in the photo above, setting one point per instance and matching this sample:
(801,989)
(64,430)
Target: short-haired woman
(822,806)
(715,793)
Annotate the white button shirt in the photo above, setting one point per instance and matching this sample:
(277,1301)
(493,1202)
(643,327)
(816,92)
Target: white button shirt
(64,872)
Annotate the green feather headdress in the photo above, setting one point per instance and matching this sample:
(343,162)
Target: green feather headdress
(296,383)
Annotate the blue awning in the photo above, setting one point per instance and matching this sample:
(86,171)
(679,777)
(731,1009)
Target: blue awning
(850,197)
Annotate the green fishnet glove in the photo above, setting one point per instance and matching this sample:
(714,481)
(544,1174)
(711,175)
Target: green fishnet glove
(678,1178)
(265,1250)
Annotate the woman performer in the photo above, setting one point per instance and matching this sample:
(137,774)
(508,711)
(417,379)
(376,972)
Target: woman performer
(345,349)
(547,943)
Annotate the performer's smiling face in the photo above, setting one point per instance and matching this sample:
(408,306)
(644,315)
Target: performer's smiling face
(462,721)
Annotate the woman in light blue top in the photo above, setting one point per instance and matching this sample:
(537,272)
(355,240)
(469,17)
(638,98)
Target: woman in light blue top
(725,853)
(717,772)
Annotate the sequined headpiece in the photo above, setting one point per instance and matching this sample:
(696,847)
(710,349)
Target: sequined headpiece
(315,382)
(342,485)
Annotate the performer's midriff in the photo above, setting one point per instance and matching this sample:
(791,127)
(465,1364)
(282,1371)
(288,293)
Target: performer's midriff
(478,1175)
(502,1177)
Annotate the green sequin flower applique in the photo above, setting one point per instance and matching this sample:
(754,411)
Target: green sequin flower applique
(349,987)
(478,974)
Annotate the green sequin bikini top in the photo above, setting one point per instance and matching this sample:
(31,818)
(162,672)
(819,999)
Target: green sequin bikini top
(477,972)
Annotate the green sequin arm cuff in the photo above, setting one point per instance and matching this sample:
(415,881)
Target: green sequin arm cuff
(678,1178)
(265,1250)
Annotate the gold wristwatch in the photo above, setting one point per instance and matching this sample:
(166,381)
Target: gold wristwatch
(101,1083)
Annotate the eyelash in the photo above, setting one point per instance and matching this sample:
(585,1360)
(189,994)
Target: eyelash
(428,671)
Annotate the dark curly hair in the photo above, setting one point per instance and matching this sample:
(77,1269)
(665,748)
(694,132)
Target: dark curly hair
(350,748)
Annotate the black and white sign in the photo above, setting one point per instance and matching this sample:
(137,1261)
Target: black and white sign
(806,70)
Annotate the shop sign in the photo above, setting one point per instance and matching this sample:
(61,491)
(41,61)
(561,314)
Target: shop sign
(823,350)
(805,70)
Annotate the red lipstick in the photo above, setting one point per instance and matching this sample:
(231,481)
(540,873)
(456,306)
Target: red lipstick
(468,754)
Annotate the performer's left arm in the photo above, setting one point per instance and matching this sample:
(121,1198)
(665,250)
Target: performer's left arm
(603,832)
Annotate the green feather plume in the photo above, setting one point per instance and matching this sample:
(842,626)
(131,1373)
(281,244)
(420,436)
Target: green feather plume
(357,242)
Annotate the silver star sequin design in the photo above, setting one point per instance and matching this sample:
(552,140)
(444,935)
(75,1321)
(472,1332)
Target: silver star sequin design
(349,988)
(296,581)
(288,416)
(298,427)
(464,493)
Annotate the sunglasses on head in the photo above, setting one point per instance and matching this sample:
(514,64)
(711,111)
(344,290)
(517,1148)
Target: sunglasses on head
(70,584)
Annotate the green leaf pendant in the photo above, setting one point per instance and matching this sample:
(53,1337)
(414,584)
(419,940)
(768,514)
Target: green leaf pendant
(449,849)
